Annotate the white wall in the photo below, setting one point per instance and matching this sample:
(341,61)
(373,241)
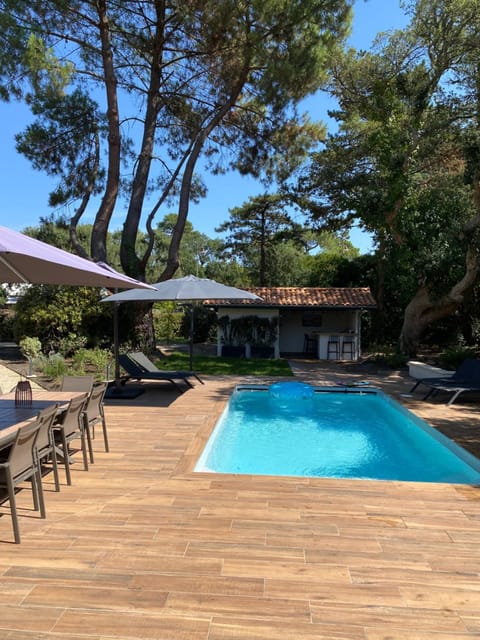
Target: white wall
(291,330)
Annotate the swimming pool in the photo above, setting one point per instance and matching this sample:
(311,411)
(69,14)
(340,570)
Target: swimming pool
(293,429)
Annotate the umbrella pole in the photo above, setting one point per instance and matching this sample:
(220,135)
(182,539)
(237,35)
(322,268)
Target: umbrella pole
(191,336)
(117,390)
(116,344)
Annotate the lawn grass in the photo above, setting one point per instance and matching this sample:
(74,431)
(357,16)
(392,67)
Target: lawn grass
(217,366)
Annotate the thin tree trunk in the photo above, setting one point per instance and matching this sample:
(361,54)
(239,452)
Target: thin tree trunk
(136,326)
(131,263)
(85,200)
(183,206)
(104,214)
(379,316)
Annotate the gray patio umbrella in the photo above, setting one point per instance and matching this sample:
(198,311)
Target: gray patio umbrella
(187,289)
(27,260)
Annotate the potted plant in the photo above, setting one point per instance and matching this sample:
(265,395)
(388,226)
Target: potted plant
(264,337)
(231,337)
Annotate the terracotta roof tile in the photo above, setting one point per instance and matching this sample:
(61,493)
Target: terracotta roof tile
(326,297)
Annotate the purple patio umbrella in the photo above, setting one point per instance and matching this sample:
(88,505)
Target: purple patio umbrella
(26,260)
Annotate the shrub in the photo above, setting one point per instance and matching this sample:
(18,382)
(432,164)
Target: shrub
(204,325)
(70,344)
(53,366)
(59,315)
(30,347)
(386,355)
(7,326)
(452,358)
(396,360)
(167,321)
(95,360)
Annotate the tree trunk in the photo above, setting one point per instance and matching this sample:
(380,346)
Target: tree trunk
(216,118)
(131,263)
(262,271)
(136,326)
(90,187)
(422,311)
(144,338)
(104,214)
(379,317)
(419,313)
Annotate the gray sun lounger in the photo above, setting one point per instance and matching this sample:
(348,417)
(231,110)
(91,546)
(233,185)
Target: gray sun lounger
(465,378)
(136,372)
(145,363)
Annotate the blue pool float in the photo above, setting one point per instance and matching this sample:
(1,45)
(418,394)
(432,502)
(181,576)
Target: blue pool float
(291,390)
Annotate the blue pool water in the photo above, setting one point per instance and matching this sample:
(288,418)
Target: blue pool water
(299,430)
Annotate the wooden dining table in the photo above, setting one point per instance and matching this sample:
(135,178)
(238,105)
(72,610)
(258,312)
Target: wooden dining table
(12,417)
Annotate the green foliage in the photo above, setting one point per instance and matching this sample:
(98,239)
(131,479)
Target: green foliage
(63,318)
(197,250)
(396,360)
(71,121)
(264,331)
(228,270)
(94,361)
(30,347)
(385,354)
(204,324)
(275,250)
(254,232)
(452,358)
(55,230)
(47,74)
(402,167)
(52,366)
(84,361)
(69,344)
(7,328)
(167,319)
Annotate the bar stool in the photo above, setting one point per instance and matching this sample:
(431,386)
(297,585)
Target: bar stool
(348,348)
(309,344)
(333,347)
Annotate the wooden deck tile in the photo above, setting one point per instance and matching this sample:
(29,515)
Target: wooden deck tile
(126,625)
(273,609)
(77,597)
(241,629)
(371,616)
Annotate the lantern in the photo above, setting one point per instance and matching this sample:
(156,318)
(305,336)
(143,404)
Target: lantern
(23,394)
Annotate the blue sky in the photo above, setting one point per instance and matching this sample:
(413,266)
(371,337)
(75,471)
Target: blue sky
(25,191)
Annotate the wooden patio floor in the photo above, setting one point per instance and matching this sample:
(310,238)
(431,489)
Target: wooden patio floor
(142,547)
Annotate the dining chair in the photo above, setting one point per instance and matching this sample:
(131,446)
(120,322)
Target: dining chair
(45,443)
(69,428)
(20,465)
(77,383)
(94,414)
